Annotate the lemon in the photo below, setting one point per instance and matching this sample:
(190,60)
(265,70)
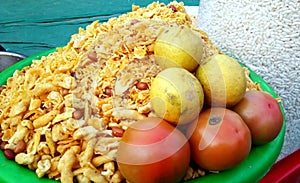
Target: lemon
(178,46)
(223,80)
(176,95)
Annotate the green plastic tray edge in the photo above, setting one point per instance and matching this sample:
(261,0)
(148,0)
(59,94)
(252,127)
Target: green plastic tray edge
(8,72)
(252,169)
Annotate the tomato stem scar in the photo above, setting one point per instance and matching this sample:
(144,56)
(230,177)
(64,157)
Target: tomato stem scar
(214,119)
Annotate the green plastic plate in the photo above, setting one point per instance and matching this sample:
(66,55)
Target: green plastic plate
(252,169)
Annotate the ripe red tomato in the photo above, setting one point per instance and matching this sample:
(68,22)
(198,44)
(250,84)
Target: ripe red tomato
(261,112)
(219,140)
(153,151)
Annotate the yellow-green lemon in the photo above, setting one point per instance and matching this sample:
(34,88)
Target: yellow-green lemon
(223,80)
(176,95)
(178,46)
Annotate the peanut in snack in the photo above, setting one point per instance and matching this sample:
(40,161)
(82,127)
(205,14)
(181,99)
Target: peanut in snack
(65,105)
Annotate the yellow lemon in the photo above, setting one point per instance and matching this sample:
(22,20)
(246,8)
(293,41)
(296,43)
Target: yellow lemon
(223,80)
(178,46)
(176,95)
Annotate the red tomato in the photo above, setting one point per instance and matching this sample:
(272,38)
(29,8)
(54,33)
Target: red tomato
(153,151)
(219,140)
(261,112)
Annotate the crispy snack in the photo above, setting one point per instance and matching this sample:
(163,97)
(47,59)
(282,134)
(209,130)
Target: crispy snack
(66,105)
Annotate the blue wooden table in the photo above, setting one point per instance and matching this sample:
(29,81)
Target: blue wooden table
(30,26)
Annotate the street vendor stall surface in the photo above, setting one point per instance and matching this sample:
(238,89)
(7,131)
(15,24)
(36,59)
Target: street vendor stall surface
(38,26)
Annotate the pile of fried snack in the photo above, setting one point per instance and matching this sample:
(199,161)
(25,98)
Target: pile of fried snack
(63,115)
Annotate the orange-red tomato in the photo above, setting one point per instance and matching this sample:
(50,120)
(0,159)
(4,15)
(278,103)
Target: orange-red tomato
(219,140)
(153,151)
(261,112)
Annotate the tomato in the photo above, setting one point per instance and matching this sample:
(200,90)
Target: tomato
(261,112)
(219,140)
(153,151)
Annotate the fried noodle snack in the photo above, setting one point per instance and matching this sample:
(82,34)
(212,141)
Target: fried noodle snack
(71,107)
